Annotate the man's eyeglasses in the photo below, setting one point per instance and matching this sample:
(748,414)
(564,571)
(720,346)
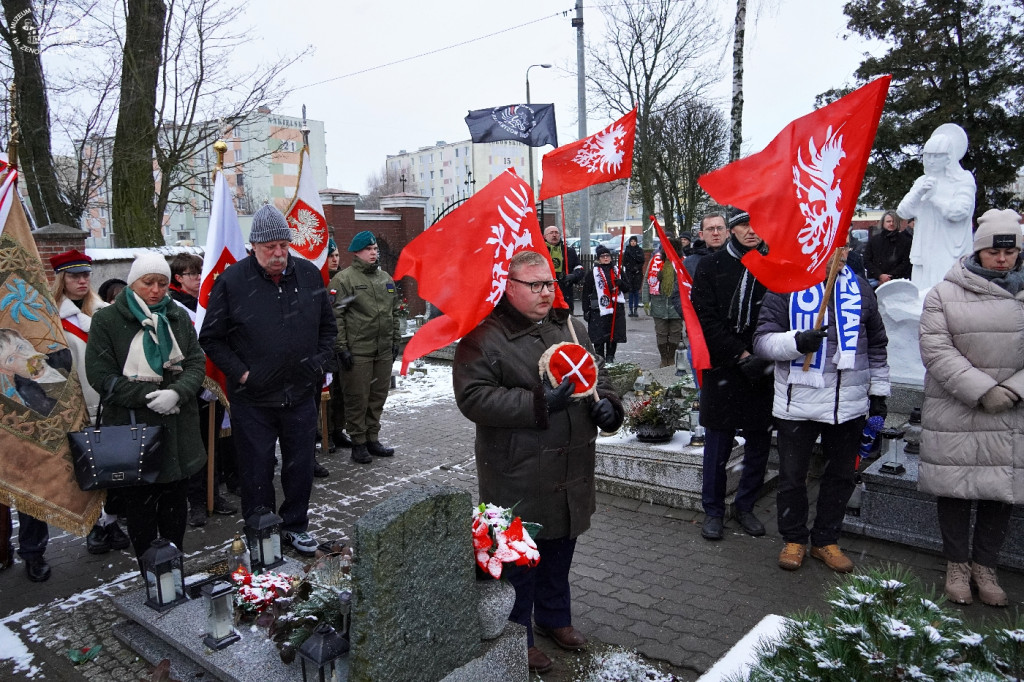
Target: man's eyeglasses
(537,287)
(716,228)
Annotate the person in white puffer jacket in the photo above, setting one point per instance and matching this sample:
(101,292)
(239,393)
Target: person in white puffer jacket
(847,381)
(972,345)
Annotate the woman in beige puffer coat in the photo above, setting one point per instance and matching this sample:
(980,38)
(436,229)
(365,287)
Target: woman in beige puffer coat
(972,448)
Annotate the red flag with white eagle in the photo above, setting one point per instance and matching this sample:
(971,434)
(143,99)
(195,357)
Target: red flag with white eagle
(801,191)
(306,219)
(224,246)
(461,262)
(602,157)
(694,332)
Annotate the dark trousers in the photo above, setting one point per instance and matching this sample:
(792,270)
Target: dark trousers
(542,592)
(633,299)
(717,447)
(991,522)
(839,443)
(156,510)
(256,431)
(606,350)
(33,535)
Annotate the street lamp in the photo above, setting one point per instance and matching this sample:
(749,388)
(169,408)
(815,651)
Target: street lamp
(529,147)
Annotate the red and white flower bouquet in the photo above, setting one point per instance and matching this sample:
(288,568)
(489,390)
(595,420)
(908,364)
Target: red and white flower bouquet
(501,538)
(257,591)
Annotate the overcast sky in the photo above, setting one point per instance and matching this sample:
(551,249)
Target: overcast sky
(373,106)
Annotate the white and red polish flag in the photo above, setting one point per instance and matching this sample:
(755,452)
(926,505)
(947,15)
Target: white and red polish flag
(460,263)
(306,219)
(801,191)
(601,157)
(224,246)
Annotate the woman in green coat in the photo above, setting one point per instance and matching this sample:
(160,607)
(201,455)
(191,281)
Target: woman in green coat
(143,350)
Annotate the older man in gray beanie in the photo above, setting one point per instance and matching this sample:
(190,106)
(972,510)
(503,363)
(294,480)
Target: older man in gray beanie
(270,329)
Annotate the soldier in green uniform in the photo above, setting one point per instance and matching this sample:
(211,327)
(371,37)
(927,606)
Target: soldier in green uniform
(367,344)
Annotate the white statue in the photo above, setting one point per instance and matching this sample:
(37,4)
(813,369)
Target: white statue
(942,201)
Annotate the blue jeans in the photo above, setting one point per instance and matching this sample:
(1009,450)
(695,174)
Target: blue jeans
(717,446)
(633,297)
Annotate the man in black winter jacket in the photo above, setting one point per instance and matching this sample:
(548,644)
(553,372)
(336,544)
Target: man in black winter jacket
(568,270)
(270,329)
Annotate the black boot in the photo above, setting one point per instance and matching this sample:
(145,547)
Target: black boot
(37,569)
(97,541)
(341,439)
(361,454)
(116,537)
(319,470)
(379,450)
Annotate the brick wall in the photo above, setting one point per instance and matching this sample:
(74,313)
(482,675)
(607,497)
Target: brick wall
(54,239)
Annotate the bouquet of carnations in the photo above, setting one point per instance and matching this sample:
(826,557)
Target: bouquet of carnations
(257,591)
(500,538)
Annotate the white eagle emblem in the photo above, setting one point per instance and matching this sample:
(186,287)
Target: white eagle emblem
(819,197)
(603,152)
(508,238)
(306,228)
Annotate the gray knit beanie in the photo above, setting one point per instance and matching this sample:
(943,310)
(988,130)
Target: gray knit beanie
(269,225)
(998,230)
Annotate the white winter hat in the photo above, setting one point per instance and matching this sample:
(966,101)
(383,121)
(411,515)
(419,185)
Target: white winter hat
(149,264)
(998,230)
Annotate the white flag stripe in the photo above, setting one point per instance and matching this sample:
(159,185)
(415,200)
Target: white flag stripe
(307,193)
(224,234)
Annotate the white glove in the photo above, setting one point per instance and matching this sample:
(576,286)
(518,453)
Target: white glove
(164,401)
(998,399)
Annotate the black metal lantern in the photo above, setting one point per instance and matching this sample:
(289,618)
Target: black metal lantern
(220,615)
(892,464)
(320,650)
(164,572)
(263,535)
(696,430)
(682,362)
(912,433)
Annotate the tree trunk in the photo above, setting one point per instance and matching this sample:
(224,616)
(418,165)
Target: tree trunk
(134,215)
(737,80)
(32,112)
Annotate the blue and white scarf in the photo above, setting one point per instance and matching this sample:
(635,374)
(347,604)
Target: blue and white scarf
(803,309)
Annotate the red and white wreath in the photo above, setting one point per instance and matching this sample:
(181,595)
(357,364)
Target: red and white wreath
(573,362)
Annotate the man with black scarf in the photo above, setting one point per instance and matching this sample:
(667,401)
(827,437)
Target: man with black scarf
(737,390)
(568,270)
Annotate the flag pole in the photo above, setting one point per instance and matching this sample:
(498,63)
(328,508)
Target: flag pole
(6,527)
(220,147)
(835,265)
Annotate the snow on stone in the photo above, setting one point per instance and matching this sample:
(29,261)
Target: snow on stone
(737,661)
(416,389)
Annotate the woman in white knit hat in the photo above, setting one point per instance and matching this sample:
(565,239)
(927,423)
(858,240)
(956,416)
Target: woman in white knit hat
(972,345)
(143,351)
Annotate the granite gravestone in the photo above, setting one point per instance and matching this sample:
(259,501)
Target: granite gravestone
(415,606)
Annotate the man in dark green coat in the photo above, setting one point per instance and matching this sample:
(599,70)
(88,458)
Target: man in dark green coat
(365,308)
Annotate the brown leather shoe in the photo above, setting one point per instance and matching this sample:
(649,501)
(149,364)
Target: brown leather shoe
(833,558)
(568,638)
(538,660)
(792,556)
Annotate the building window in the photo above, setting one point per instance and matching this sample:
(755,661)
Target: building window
(441,172)
(456,152)
(240,181)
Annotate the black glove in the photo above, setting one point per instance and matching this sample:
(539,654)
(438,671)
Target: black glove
(345,360)
(586,316)
(878,407)
(755,368)
(558,398)
(619,283)
(810,341)
(603,414)
(394,352)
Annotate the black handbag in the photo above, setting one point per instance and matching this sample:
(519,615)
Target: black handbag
(115,456)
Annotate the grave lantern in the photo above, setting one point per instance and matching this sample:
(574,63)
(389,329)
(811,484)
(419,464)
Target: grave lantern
(696,430)
(220,615)
(642,384)
(320,650)
(263,535)
(912,433)
(892,464)
(682,362)
(345,600)
(238,556)
(164,573)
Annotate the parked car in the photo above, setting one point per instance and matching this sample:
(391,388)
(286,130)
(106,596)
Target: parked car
(859,239)
(574,242)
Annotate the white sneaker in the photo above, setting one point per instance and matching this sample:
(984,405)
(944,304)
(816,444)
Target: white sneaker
(303,542)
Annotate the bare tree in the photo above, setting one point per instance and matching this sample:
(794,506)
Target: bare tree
(739,38)
(653,56)
(690,141)
(384,183)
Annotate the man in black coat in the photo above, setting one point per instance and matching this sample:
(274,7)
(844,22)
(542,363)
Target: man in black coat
(568,269)
(737,391)
(887,254)
(270,329)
